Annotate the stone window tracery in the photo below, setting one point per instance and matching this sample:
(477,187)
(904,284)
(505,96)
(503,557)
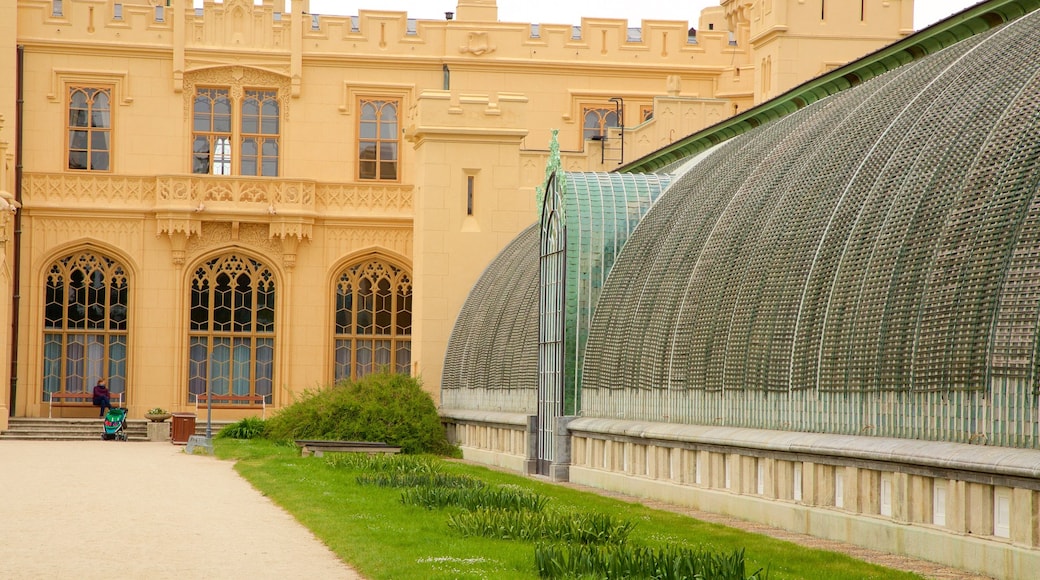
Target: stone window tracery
(232,328)
(373,320)
(85,331)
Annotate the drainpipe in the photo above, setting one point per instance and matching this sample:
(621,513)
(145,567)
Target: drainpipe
(16,270)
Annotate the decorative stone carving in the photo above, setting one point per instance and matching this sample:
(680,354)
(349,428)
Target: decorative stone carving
(378,199)
(478,44)
(237,78)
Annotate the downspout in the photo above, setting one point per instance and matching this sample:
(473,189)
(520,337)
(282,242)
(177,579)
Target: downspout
(16,270)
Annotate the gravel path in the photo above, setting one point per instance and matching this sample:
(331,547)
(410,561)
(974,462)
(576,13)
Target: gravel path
(108,509)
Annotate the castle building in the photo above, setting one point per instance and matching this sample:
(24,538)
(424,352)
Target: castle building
(246,200)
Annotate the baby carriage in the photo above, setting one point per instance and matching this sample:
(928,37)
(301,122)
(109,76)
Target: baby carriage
(115,425)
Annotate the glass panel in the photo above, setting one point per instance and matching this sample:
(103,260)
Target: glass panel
(242,363)
(53,316)
(75,361)
(364,358)
(367,170)
(343,361)
(197,366)
(269,125)
(243,309)
(368,130)
(77,159)
(388,170)
(52,363)
(220,367)
(270,167)
(388,151)
(382,355)
(222,301)
(265,308)
(383,307)
(344,305)
(403,357)
(404,310)
(117,364)
(364,310)
(99,160)
(117,307)
(200,305)
(95,358)
(77,311)
(265,366)
(96,292)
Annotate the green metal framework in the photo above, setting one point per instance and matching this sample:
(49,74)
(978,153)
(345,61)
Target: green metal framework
(866,265)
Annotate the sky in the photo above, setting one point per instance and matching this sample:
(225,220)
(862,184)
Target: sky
(926,12)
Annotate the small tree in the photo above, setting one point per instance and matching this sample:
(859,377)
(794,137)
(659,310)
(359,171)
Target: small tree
(384,406)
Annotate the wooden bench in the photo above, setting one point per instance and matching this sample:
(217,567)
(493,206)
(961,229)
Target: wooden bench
(116,399)
(317,448)
(229,401)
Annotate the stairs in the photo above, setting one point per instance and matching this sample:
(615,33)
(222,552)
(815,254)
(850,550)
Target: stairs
(67,429)
(29,429)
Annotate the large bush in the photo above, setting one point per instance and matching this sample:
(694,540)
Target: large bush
(384,407)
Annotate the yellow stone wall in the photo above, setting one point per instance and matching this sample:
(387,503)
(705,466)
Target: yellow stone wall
(8,18)
(479,99)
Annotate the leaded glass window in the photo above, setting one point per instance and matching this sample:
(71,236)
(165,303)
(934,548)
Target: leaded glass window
(232,329)
(373,321)
(85,331)
(378,140)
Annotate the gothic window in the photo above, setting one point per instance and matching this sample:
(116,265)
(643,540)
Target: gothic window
(378,140)
(90,128)
(225,137)
(373,324)
(646,112)
(232,331)
(598,120)
(85,324)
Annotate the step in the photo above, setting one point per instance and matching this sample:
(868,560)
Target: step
(42,429)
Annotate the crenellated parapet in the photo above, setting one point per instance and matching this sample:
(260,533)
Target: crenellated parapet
(264,32)
(453,113)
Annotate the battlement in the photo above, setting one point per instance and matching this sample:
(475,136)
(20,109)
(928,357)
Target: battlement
(241,25)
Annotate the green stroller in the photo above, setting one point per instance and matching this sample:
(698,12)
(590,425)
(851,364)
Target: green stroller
(115,425)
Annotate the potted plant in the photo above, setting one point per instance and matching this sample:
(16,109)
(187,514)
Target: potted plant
(157,415)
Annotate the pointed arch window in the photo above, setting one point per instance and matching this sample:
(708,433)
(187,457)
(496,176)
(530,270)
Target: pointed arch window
(85,332)
(598,120)
(378,140)
(232,329)
(373,320)
(90,128)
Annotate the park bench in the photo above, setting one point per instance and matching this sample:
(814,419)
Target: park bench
(317,448)
(57,398)
(231,401)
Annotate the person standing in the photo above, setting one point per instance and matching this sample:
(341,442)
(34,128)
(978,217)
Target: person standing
(102,397)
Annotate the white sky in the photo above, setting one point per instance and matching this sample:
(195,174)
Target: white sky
(926,12)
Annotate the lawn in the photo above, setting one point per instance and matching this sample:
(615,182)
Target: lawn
(383,538)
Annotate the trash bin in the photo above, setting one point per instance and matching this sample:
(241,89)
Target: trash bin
(183,426)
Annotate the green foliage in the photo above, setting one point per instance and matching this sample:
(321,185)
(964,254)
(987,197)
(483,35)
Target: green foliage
(402,479)
(383,463)
(385,407)
(248,428)
(624,561)
(548,525)
(506,497)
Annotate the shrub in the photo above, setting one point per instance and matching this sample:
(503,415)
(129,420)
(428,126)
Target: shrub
(385,407)
(248,428)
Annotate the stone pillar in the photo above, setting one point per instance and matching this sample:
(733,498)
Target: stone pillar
(531,452)
(559,470)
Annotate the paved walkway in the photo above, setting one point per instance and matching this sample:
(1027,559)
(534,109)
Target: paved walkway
(108,509)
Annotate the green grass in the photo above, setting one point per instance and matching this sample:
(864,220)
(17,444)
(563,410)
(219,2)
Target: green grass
(369,526)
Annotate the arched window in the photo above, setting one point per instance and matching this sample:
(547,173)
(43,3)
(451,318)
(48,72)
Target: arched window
(232,332)
(598,120)
(373,320)
(378,140)
(85,324)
